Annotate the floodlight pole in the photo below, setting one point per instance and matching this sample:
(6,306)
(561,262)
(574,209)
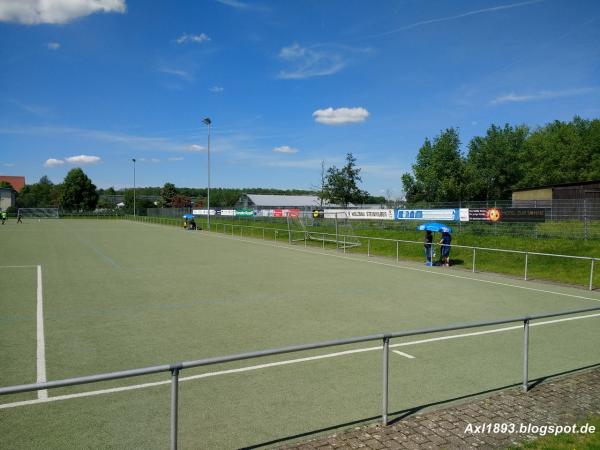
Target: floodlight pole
(133,159)
(208,123)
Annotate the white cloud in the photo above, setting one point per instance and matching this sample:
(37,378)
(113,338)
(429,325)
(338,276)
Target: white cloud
(242,6)
(176,158)
(52,162)
(340,116)
(310,62)
(193,38)
(216,89)
(55,11)
(53,45)
(285,149)
(194,148)
(83,159)
(541,95)
(9,164)
(177,72)
(155,160)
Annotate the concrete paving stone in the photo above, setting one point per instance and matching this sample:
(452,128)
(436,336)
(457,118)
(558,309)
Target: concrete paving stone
(559,401)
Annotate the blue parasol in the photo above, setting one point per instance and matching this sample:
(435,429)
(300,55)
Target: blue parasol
(188,216)
(434,226)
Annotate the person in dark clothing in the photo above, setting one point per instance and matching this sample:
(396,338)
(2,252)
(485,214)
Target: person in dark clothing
(428,244)
(19,218)
(445,248)
(192,225)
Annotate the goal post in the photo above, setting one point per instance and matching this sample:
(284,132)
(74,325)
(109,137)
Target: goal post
(39,213)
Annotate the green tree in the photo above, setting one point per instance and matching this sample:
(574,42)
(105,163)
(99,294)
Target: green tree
(167,194)
(341,184)
(562,152)
(438,173)
(43,194)
(494,162)
(78,192)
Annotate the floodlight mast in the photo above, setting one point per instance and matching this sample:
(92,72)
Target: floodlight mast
(206,121)
(133,159)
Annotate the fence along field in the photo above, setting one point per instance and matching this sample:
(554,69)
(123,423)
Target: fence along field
(121,295)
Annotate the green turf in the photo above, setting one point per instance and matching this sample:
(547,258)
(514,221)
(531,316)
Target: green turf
(120,294)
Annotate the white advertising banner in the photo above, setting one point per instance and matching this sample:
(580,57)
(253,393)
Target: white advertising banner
(360,214)
(202,212)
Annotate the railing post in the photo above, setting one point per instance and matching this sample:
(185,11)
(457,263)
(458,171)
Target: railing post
(397,251)
(473,260)
(525,355)
(386,365)
(592,276)
(174,405)
(275,236)
(344,244)
(263,233)
(368,247)
(526,264)
(323,238)
(305,238)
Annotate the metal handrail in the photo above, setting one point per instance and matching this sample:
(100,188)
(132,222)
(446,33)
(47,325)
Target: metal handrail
(473,248)
(175,368)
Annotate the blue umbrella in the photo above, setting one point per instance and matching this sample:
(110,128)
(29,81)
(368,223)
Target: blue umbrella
(434,226)
(188,216)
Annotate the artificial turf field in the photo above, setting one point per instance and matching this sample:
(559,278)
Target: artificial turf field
(119,295)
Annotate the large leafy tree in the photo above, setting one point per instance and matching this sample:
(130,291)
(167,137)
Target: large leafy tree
(562,152)
(341,185)
(43,194)
(78,192)
(494,162)
(167,194)
(438,173)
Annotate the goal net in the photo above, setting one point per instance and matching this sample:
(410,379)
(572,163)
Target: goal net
(336,231)
(40,213)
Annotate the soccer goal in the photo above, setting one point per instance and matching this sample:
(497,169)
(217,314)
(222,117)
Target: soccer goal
(298,230)
(39,213)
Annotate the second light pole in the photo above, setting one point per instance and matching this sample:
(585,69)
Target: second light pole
(206,121)
(133,187)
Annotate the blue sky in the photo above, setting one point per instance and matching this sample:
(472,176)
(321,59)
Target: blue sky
(287,84)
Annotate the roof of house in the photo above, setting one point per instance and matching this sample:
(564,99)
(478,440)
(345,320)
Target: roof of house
(16,182)
(285,200)
(546,186)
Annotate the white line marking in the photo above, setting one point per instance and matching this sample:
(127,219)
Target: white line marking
(16,267)
(397,266)
(41,345)
(406,355)
(280,363)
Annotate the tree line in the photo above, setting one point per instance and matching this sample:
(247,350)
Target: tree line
(77,193)
(506,158)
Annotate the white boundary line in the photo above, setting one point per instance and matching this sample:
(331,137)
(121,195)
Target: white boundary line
(406,355)
(398,266)
(41,344)
(281,363)
(16,267)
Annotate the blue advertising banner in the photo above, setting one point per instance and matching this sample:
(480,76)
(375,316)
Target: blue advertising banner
(453,214)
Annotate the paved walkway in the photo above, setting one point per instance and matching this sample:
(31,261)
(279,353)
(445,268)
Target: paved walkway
(559,401)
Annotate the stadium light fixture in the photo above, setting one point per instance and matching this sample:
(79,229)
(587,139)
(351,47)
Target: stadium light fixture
(206,121)
(133,159)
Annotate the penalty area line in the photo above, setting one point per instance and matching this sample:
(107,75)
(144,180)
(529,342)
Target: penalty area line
(283,363)
(41,342)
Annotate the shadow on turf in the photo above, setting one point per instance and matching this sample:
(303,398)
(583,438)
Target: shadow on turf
(403,414)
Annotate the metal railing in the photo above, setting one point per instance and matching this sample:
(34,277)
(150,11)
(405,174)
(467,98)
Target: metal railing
(341,239)
(175,368)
